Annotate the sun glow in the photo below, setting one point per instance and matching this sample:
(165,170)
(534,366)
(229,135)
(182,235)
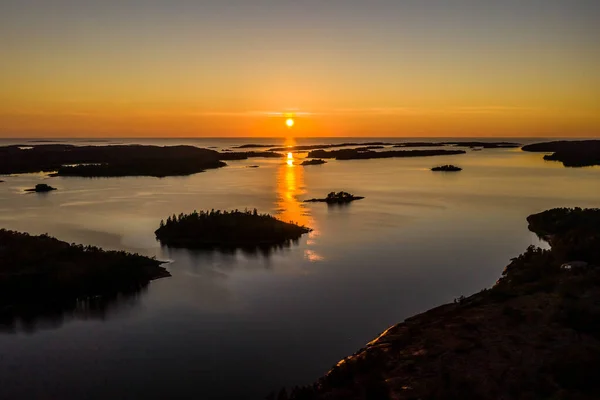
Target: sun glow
(290,187)
(289,122)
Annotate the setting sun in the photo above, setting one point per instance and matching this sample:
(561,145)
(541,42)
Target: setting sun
(289,122)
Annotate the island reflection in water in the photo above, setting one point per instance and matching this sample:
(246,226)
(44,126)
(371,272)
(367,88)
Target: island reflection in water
(53,314)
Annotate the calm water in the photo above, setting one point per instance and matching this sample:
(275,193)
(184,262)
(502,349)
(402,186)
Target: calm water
(238,325)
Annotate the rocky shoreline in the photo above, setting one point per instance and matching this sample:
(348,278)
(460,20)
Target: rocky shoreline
(533,335)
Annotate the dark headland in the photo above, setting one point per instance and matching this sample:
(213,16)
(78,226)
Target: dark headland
(108,161)
(227,229)
(575,153)
(36,270)
(336,198)
(534,335)
(41,188)
(117,160)
(314,161)
(353,154)
(447,168)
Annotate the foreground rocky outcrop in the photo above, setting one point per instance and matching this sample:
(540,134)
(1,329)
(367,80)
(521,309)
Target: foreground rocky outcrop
(38,270)
(572,153)
(534,335)
(227,229)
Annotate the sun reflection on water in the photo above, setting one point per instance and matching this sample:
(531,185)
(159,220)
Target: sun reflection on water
(290,185)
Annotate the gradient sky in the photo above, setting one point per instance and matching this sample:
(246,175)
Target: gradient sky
(343,67)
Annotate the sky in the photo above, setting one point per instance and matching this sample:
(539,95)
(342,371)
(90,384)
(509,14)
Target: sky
(180,68)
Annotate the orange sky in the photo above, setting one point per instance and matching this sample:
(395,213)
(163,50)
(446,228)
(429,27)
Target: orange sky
(398,68)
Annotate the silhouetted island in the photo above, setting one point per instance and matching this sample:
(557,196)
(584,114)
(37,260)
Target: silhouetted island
(253,146)
(419,144)
(353,154)
(244,155)
(35,270)
(108,161)
(575,153)
(447,168)
(336,198)
(40,188)
(227,229)
(315,161)
(252,166)
(365,148)
(534,335)
(487,145)
(328,146)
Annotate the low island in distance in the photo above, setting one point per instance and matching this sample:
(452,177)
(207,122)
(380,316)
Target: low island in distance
(336,198)
(353,154)
(108,160)
(41,188)
(447,168)
(36,271)
(227,229)
(314,161)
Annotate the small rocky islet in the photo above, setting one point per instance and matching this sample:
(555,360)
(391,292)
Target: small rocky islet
(315,161)
(446,168)
(336,198)
(227,229)
(41,188)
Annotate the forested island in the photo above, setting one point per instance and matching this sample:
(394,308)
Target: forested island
(117,160)
(353,154)
(108,161)
(534,335)
(38,270)
(572,153)
(314,161)
(227,229)
(447,168)
(336,198)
